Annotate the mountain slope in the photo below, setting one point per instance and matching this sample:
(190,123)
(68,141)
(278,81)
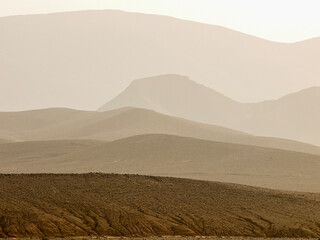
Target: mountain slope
(295,116)
(55,124)
(4,141)
(15,157)
(81,57)
(169,155)
(175,95)
(35,206)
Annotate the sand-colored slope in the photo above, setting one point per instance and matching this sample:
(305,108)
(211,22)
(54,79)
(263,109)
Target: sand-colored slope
(295,116)
(169,155)
(17,156)
(131,205)
(19,125)
(54,124)
(4,141)
(86,58)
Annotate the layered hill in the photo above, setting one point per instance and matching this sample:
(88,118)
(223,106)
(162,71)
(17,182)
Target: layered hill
(34,206)
(88,57)
(168,155)
(295,116)
(63,124)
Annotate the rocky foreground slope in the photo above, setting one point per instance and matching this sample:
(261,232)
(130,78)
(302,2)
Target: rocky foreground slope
(132,205)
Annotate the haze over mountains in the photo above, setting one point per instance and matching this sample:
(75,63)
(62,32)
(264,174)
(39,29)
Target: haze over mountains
(82,59)
(295,116)
(168,155)
(69,124)
(172,121)
(133,140)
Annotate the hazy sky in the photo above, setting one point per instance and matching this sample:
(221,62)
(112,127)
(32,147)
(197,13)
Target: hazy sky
(277,20)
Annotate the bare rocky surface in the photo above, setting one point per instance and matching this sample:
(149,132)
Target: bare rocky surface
(70,205)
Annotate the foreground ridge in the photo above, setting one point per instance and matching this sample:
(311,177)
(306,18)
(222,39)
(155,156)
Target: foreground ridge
(94,204)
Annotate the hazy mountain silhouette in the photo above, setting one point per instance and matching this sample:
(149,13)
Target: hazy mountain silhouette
(81,59)
(295,116)
(55,124)
(168,155)
(165,125)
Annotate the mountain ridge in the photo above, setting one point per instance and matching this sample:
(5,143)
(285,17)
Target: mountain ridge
(218,58)
(159,15)
(68,124)
(294,116)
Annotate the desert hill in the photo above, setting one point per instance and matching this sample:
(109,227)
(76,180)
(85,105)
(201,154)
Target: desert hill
(59,124)
(4,141)
(168,155)
(295,116)
(34,206)
(81,57)
(17,156)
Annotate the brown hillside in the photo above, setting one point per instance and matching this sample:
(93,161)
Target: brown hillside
(15,157)
(131,205)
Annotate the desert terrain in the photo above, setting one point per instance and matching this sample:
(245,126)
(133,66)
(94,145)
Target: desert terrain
(70,124)
(122,125)
(61,205)
(141,141)
(294,116)
(167,155)
(173,238)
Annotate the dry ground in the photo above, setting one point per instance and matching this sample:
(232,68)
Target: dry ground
(132,205)
(167,155)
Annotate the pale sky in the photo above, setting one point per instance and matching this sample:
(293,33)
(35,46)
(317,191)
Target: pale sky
(276,20)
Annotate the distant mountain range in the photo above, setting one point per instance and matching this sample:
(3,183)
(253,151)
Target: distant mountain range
(167,124)
(295,116)
(69,124)
(136,140)
(71,173)
(81,59)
